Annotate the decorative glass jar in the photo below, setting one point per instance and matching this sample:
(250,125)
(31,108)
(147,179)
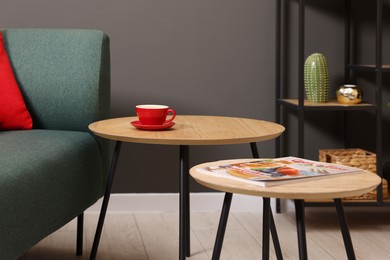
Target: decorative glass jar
(349,94)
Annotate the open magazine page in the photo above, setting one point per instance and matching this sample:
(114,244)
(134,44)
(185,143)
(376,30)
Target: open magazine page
(270,172)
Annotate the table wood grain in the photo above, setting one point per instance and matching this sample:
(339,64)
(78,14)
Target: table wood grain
(329,187)
(191,130)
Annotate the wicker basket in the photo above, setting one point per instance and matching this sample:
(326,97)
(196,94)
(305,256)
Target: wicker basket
(355,158)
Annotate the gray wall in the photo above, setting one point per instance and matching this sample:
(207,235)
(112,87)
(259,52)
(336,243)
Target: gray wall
(211,57)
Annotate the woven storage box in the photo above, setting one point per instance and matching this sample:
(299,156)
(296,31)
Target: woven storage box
(355,158)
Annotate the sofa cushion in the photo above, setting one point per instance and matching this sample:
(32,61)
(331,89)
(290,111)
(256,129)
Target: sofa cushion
(64,75)
(46,176)
(13,111)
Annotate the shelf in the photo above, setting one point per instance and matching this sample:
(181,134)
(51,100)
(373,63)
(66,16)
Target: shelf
(376,70)
(330,105)
(385,68)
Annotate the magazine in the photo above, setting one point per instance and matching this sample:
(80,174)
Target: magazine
(271,172)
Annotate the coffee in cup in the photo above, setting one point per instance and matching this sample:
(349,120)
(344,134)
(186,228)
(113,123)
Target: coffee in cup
(154,114)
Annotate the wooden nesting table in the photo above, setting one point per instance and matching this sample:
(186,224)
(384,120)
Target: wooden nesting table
(188,130)
(334,187)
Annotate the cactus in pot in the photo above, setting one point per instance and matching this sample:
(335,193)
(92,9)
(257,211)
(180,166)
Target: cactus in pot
(316,78)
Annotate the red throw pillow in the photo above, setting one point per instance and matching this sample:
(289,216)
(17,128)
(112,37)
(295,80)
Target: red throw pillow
(13,112)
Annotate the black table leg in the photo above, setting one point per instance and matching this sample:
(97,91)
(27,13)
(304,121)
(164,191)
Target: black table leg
(222,226)
(255,151)
(266,227)
(80,232)
(344,229)
(274,233)
(105,200)
(184,208)
(300,218)
(275,238)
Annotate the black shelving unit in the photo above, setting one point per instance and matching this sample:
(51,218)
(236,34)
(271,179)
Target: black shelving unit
(300,106)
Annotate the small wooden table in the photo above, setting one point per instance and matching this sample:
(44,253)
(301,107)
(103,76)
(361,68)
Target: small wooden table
(335,188)
(188,130)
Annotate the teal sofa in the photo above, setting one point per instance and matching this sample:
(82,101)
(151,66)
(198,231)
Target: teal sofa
(49,175)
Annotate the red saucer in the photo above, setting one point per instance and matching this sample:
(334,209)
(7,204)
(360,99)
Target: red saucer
(138,125)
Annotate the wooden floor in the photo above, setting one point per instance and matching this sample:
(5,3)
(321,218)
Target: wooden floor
(154,236)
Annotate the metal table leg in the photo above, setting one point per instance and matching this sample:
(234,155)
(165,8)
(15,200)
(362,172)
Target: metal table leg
(266,227)
(344,229)
(80,230)
(222,226)
(274,233)
(268,223)
(255,151)
(275,238)
(106,198)
(300,217)
(184,207)
(301,231)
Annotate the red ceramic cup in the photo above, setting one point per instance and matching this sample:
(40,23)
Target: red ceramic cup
(154,114)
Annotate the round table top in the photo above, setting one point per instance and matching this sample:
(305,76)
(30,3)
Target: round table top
(340,186)
(191,130)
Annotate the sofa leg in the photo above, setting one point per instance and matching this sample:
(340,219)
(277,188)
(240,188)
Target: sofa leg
(80,229)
